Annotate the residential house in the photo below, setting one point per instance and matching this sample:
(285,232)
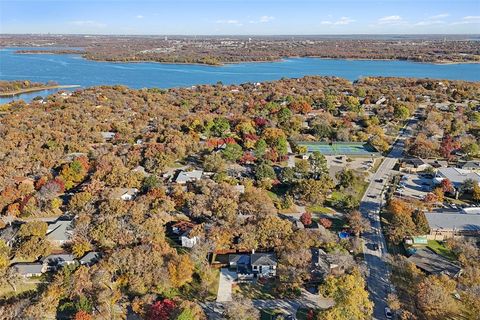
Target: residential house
(90,258)
(240,263)
(183,229)
(331,263)
(8,235)
(456,176)
(55,261)
(415,165)
(452,225)
(28,270)
(107,135)
(60,232)
(471,165)
(125,194)
(188,176)
(256,264)
(433,263)
(264,264)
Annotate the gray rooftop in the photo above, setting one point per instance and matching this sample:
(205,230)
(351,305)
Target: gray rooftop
(90,257)
(433,263)
(458,176)
(27,268)
(263,259)
(60,230)
(471,165)
(453,221)
(186,176)
(55,259)
(239,259)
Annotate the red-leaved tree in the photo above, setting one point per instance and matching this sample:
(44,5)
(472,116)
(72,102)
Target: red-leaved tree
(161,310)
(327,223)
(306,218)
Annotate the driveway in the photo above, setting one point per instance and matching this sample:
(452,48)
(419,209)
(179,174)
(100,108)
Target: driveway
(225,285)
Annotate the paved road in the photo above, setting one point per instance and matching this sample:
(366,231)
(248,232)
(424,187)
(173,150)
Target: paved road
(378,276)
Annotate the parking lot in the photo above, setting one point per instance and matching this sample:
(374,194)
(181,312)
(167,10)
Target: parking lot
(416,186)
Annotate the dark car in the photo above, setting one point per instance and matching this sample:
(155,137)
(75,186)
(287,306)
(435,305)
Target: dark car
(379,180)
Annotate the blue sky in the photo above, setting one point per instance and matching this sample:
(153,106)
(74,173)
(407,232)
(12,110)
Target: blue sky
(260,17)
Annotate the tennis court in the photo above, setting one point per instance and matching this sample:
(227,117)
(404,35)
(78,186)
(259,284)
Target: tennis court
(340,148)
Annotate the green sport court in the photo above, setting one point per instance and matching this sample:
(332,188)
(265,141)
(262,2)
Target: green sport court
(340,148)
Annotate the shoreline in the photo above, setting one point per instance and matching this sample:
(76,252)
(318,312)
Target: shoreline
(35,89)
(223,63)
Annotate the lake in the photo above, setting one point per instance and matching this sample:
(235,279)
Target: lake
(72,69)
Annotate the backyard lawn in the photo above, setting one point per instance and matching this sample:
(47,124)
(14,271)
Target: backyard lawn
(255,290)
(440,249)
(6,291)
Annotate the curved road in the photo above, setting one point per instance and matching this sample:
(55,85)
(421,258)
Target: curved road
(378,269)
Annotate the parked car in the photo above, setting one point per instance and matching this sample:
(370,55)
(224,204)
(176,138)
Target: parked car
(379,180)
(388,313)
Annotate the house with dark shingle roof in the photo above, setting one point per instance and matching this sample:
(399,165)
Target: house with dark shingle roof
(90,258)
(433,263)
(264,264)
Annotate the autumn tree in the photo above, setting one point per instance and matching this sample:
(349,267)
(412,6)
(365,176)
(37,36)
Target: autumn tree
(241,309)
(306,218)
(161,310)
(318,164)
(351,298)
(357,222)
(435,297)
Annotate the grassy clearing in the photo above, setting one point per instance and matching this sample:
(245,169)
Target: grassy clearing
(6,291)
(319,209)
(440,249)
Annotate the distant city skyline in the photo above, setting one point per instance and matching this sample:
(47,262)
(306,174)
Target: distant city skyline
(235,17)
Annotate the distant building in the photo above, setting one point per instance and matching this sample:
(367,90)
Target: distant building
(125,194)
(188,176)
(107,135)
(183,230)
(451,225)
(60,232)
(28,270)
(471,165)
(433,263)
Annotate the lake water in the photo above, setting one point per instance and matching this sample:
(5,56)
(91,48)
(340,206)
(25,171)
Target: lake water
(74,70)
